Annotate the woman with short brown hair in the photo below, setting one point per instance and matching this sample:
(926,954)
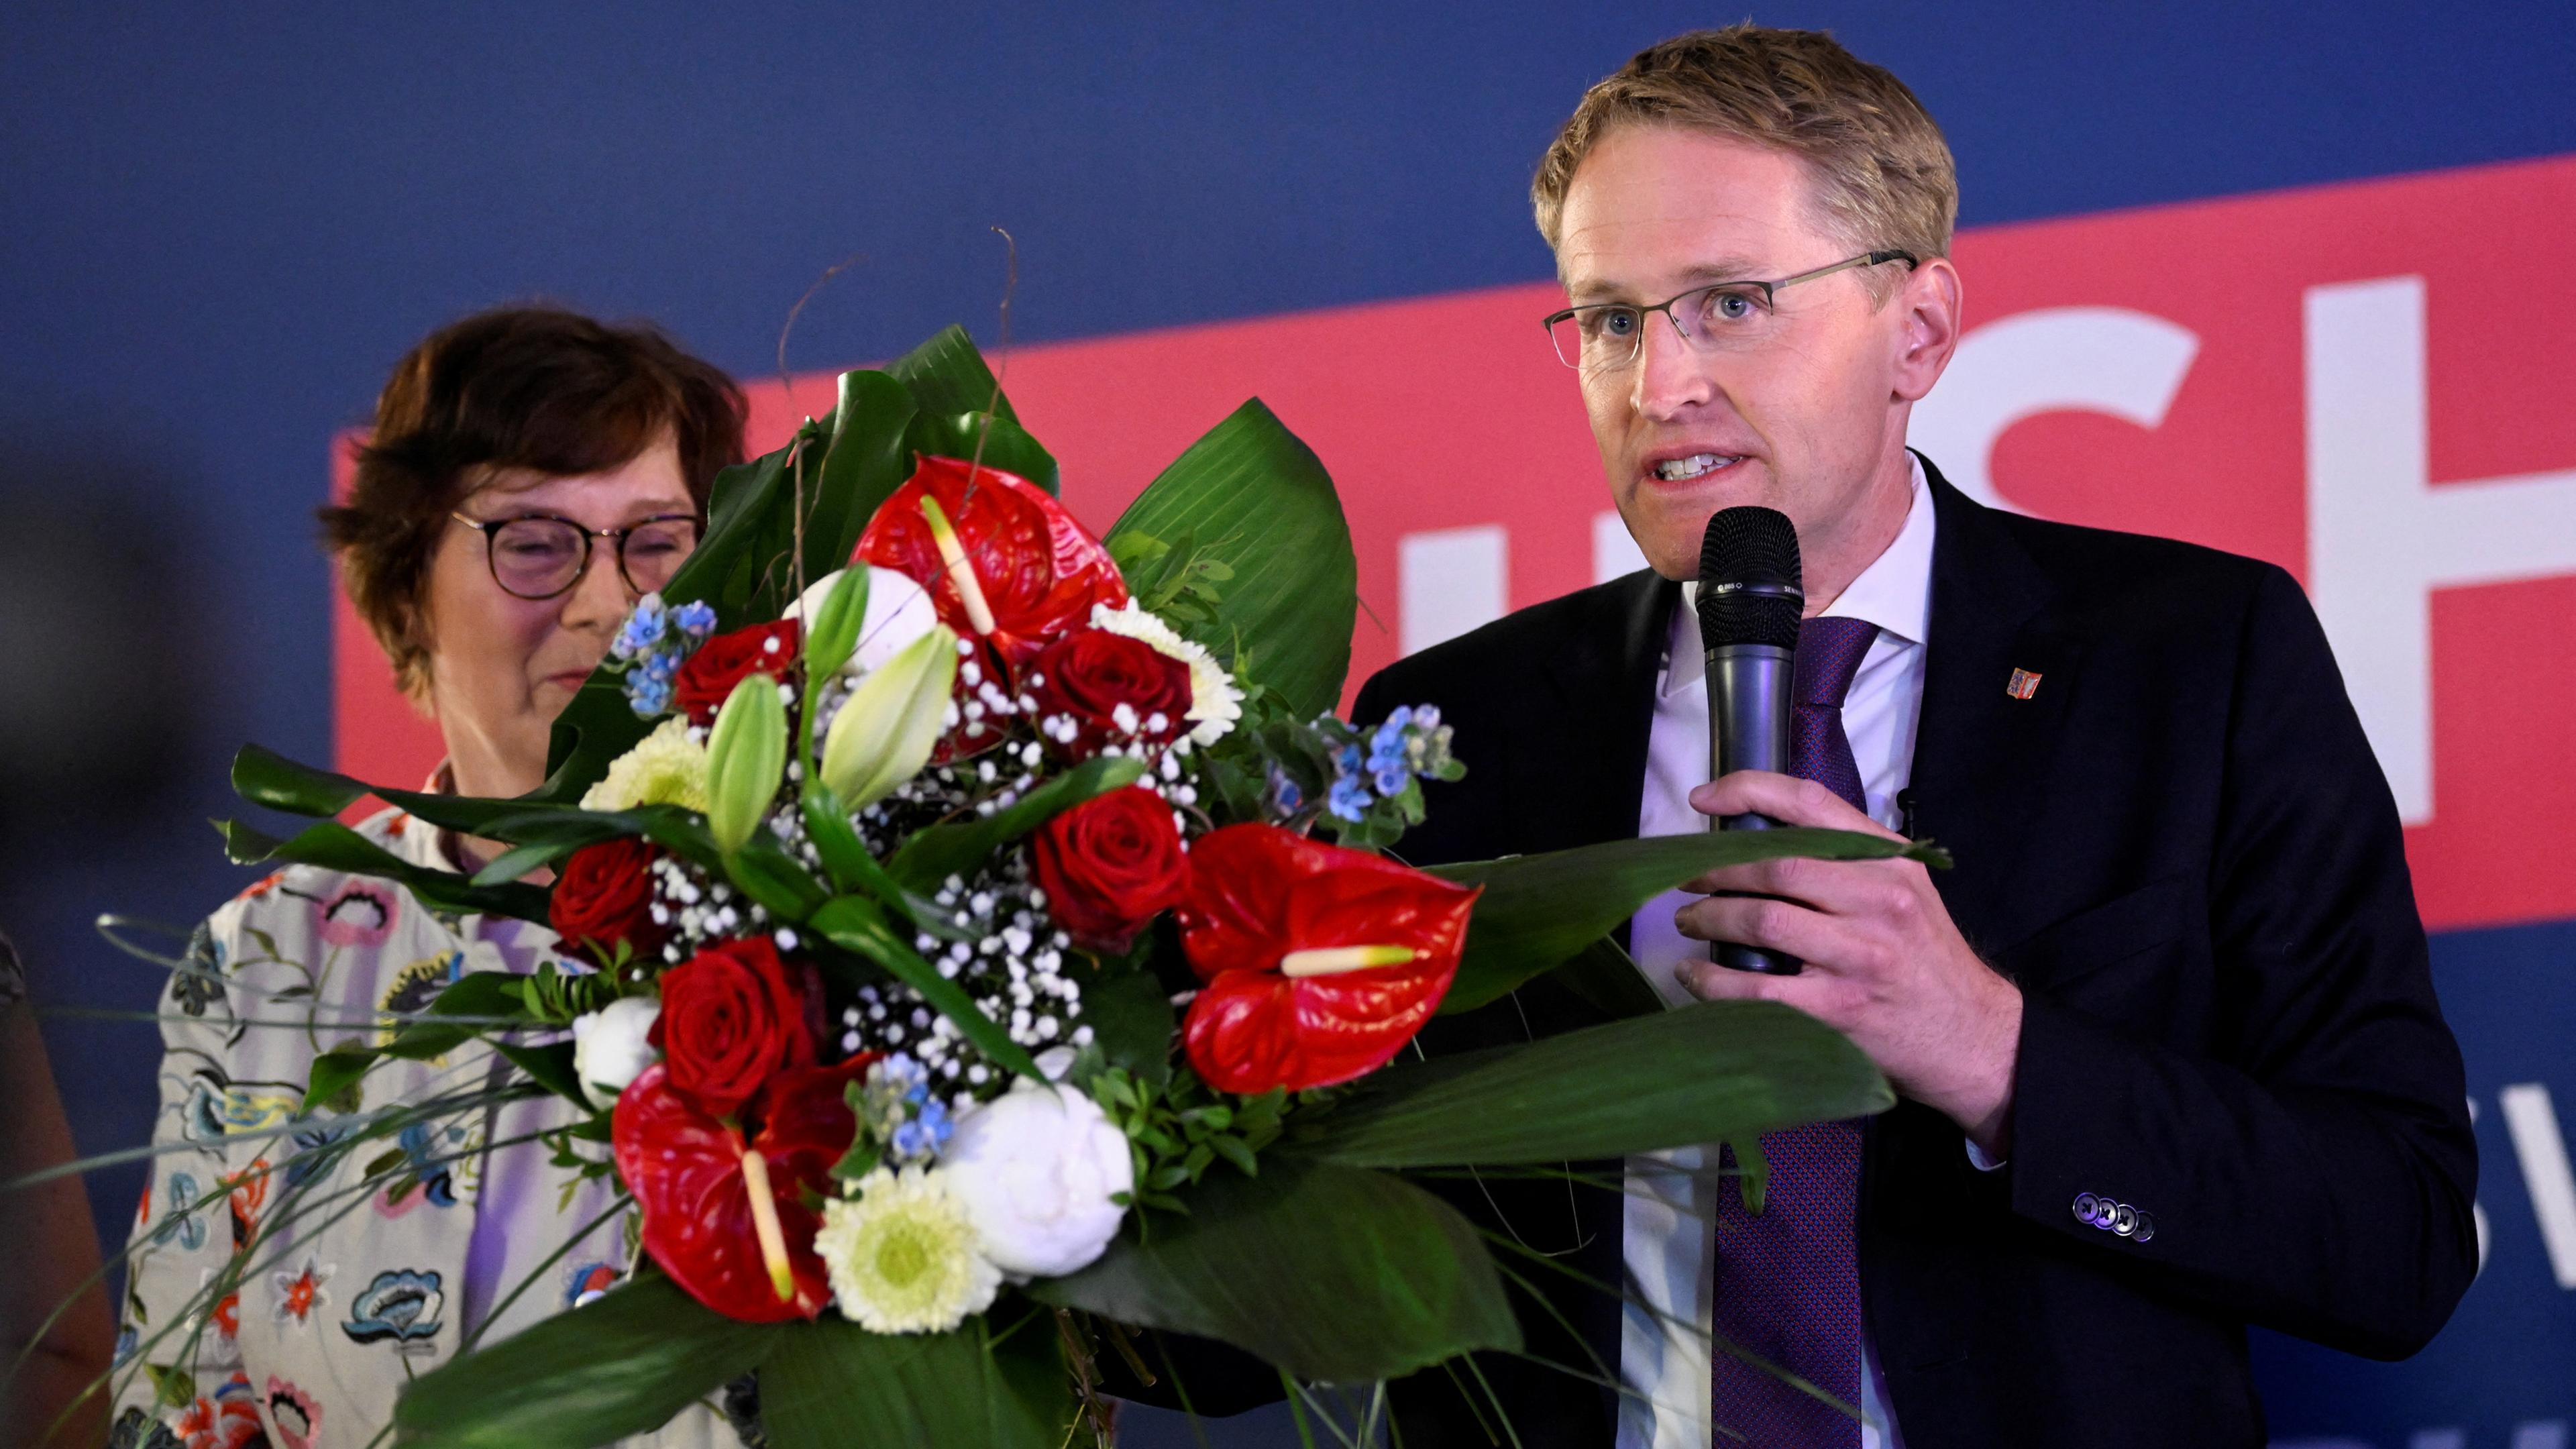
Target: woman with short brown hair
(531,473)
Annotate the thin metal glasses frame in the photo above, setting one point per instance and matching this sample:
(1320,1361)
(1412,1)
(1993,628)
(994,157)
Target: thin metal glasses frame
(1769,291)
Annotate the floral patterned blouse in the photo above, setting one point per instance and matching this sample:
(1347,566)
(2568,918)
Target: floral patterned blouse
(354,1282)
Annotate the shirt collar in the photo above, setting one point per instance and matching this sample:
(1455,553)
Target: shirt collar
(1894,592)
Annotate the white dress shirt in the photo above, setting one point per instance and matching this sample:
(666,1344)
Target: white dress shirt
(1664,1342)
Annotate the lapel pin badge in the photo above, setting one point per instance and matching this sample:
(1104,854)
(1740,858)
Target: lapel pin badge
(2024,684)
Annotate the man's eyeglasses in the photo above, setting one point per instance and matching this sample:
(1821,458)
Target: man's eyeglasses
(1724,316)
(537,556)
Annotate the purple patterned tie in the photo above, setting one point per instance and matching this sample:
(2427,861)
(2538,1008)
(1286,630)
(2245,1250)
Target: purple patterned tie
(1787,1283)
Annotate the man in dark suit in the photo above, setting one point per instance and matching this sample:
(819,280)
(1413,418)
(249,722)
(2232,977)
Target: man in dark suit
(2165,1040)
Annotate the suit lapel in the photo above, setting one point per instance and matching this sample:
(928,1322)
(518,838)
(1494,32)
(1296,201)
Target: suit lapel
(1981,754)
(1588,762)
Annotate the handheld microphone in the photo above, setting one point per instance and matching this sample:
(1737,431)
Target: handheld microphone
(1750,604)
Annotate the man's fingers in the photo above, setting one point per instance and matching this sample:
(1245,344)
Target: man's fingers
(1786,926)
(1784,798)
(1843,887)
(1807,991)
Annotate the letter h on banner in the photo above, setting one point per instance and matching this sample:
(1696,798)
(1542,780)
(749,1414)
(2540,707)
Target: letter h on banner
(2382,538)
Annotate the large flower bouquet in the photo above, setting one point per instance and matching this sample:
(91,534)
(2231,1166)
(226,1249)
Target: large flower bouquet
(977,947)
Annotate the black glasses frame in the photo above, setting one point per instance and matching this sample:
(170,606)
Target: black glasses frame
(489,526)
(1770,298)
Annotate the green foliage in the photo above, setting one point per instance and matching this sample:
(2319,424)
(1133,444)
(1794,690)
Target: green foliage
(554,997)
(779,882)
(332,1082)
(622,1365)
(994,1382)
(172,1387)
(334,846)
(1332,1273)
(1606,976)
(1698,1073)
(1179,1128)
(1179,581)
(1252,500)
(940,851)
(857,925)
(1540,910)
(1131,1023)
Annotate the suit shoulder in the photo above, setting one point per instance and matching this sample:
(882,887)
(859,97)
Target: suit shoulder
(2105,570)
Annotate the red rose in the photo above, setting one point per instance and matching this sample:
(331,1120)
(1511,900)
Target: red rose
(1283,931)
(1086,675)
(731,1019)
(1039,571)
(604,895)
(1109,864)
(707,680)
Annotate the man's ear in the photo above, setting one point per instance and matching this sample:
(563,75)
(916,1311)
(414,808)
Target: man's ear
(1927,326)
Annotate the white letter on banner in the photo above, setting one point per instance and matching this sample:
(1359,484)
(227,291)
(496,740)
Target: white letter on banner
(2382,538)
(1452,580)
(2533,1122)
(1614,549)
(2056,359)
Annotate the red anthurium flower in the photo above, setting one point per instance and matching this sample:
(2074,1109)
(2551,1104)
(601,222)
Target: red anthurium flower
(1320,962)
(1039,571)
(689,1173)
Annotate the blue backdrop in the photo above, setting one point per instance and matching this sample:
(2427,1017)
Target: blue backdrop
(217,229)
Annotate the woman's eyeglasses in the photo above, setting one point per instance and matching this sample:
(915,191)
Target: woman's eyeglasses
(537,556)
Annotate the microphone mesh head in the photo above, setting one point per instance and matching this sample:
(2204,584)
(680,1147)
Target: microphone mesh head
(1755,550)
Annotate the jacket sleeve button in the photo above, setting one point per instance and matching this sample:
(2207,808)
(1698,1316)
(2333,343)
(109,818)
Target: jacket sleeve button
(2086,1205)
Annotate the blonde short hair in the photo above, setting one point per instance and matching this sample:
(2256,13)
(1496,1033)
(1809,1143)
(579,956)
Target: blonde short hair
(1884,177)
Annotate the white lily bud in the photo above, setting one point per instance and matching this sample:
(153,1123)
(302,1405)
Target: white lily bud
(886,730)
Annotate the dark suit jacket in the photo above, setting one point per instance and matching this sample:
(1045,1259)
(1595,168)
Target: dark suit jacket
(2183,851)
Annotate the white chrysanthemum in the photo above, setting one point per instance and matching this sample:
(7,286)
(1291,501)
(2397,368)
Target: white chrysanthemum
(902,1255)
(666,768)
(1215,704)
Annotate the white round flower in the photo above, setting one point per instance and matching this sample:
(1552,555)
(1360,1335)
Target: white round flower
(610,1046)
(1215,704)
(902,1255)
(1036,1168)
(899,611)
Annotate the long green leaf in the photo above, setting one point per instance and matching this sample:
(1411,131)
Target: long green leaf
(832,1384)
(1333,1273)
(334,846)
(858,925)
(622,1365)
(947,376)
(1005,447)
(868,460)
(934,854)
(1698,1073)
(1540,910)
(264,777)
(549,1067)
(1258,500)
